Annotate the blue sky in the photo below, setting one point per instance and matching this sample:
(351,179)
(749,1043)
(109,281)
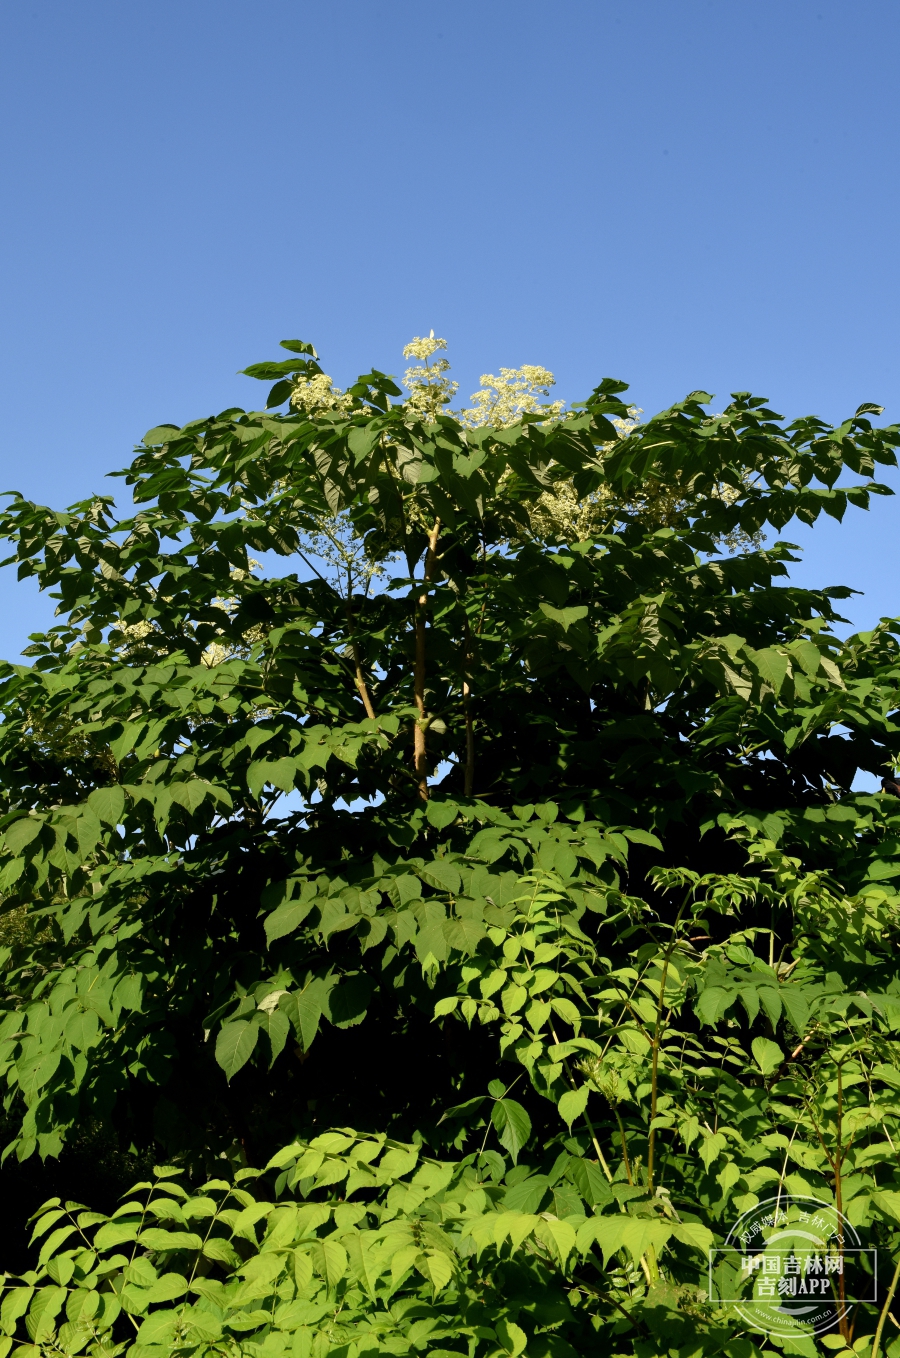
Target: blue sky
(679,193)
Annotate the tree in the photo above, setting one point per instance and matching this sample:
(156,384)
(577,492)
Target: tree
(488,903)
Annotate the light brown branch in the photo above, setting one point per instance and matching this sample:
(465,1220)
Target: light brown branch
(361,685)
(358,673)
(420,748)
(470,729)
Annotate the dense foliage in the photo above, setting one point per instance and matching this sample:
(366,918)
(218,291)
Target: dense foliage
(477,939)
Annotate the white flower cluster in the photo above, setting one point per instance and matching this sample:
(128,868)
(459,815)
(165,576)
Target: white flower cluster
(503,400)
(319,393)
(429,387)
(500,402)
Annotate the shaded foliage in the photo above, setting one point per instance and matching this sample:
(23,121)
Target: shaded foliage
(540,868)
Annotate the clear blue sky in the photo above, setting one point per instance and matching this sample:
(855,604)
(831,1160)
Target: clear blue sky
(680,193)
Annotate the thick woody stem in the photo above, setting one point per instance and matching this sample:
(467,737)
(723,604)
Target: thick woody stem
(420,750)
(361,685)
(364,691)
(470,742)
(843,1325)
(658,1030)
(354,651)
(885,1310)
(467,707)
(625,1158)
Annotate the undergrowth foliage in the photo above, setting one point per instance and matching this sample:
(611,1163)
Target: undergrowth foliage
(473,919)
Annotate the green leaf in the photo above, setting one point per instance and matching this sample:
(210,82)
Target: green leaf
(45,1307)
(512,1337)
(566,617)
(573,1103)
(268,372)
(442,875)
(53,1242)
(711,1146)
(279,393)
(11,873)
(693,1234)
(462,1109)
(235,1044)
(276,1026)
(771,666)
(513,998)
(15,1303)
(88,831)
(155,1238)
(566,1010)
(83,1029)
(642,837)
(159,1329)
(161,433)
(796,1006)
(299,347)
(887,1201)
(464,934)
(304,1009)
(808,655)
(128,994)
(46,1219)
(108,803)
(559,1236)
(637,1235)
(169,1286)
(222,1251)
(329,1259)
(116,1233)
(513,1125)
(363,1258)
(280,773)
(767,1055)
(287,918)
(39,1073)
(590,1181)
(348,1001)
(436,1267)
(362,440)
(202,1324)
(440,814)
(190,795)
(22,832)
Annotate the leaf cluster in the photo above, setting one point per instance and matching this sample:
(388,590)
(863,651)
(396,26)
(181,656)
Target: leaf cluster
(535,871)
